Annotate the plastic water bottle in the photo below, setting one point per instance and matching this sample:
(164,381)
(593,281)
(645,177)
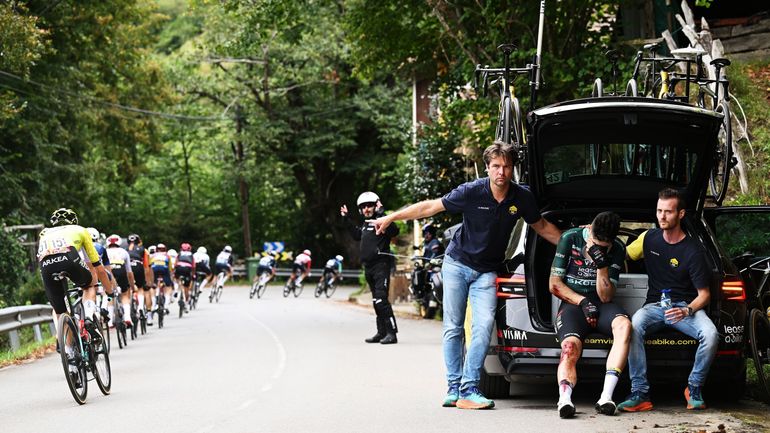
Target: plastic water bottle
(665,301)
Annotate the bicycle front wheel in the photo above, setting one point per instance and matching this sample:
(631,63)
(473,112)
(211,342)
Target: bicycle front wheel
(759,338)
(254,290)
(318,289)
(286,289)
(503,132)
(720,173)
(219,292)
(330,290)
(297,290)
(100,361)
(261,289)
(72,359)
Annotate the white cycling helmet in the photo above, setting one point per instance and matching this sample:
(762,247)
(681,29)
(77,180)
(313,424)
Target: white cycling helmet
(151,249)
(228,249)
(367,197)
(113,240)
(202,250)
(94,234)
(306,252)
(338,257)
(172,252)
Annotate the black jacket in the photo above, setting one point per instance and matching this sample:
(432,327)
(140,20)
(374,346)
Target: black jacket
(371,243)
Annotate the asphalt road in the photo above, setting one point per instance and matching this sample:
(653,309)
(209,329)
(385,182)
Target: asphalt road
(300,365)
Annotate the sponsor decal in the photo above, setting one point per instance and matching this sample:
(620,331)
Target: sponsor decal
(483,207)
(670,342)
(53,260)
(674,263)
(733,334)
(513,209)
(514,334)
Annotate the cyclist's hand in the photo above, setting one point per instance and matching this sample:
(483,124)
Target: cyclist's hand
(590,311)
(599,255)
(344,210)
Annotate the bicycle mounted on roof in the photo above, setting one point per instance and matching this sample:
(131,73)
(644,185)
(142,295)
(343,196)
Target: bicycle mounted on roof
(660,79)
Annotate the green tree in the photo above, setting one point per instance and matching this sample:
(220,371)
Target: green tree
(12,262)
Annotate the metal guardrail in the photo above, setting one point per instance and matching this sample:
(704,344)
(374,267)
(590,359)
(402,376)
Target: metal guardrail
(14,318)
(240,272)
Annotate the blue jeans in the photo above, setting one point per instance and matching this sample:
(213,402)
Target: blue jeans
(462,283)
(649,319)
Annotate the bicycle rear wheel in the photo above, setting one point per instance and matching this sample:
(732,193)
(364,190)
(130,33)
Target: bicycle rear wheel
(180,304)
(69,342)
(318,289)
(631,88)
(286,289)
(100,360)
(597,91)
(720,173)
(297,290)
(759,338)
(219,292)
(161,310)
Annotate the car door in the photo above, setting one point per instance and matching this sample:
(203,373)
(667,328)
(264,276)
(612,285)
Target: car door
(743,232)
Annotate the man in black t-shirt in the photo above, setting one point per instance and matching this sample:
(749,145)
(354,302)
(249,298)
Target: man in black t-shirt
(490,206)
(674,261)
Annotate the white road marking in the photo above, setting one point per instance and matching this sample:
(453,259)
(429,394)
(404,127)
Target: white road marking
(281,367)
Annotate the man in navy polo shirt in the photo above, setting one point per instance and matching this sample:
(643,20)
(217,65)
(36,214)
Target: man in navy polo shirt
(490,207)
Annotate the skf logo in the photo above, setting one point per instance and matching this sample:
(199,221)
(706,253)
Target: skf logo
(674,263)
(513,209)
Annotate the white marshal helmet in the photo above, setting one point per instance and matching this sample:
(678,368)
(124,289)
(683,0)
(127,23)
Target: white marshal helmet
(94,234)
(367,197)
(338,257)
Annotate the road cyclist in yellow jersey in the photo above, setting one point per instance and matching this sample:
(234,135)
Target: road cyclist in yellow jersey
(58,256)
(163,268)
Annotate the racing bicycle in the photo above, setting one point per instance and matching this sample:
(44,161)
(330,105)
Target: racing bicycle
(216,292)
(83,346)
(327,285)
(759,324)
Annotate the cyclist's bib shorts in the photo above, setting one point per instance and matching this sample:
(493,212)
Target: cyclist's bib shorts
(298,269)
(138,269)
(121,277)
(162,272)
(184,273)
(264,269)
(222,267)
(202,268)
(571,322)
(77,271)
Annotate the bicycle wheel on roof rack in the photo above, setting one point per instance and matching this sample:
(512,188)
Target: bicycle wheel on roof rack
(723,155)
(503,130)
(518,141)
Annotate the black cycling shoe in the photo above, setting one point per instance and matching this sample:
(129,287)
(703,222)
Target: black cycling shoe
(389,339)
(374,339)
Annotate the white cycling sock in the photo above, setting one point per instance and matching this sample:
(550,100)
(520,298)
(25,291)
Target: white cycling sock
(141,303)
(127,312)
(610,380)
(89,308)
(565,390)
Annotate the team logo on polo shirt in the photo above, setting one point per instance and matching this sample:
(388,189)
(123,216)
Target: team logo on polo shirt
(674,263)
(513,209)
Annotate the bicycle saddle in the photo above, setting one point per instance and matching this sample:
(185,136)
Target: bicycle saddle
(612,55)
(721,62)
(507,48)
(58,276)
(688,51)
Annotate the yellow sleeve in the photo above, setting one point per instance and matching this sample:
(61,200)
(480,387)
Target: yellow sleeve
(88,245)
(635,250)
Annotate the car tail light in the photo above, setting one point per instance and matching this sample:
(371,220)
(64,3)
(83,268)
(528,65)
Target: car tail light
(512,286)
(516,349)
(733,290)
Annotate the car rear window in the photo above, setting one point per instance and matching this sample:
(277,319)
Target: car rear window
(673,163)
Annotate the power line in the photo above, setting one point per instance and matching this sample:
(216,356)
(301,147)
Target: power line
(141,111)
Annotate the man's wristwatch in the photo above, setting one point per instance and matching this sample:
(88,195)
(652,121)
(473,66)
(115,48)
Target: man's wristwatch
(689,311)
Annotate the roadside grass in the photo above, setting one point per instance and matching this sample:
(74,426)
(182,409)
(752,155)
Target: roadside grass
(753,388)
(29,349)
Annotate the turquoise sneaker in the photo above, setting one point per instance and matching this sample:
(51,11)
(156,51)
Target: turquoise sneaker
(694,398)
(472,398)
(636,402)
(452,394)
